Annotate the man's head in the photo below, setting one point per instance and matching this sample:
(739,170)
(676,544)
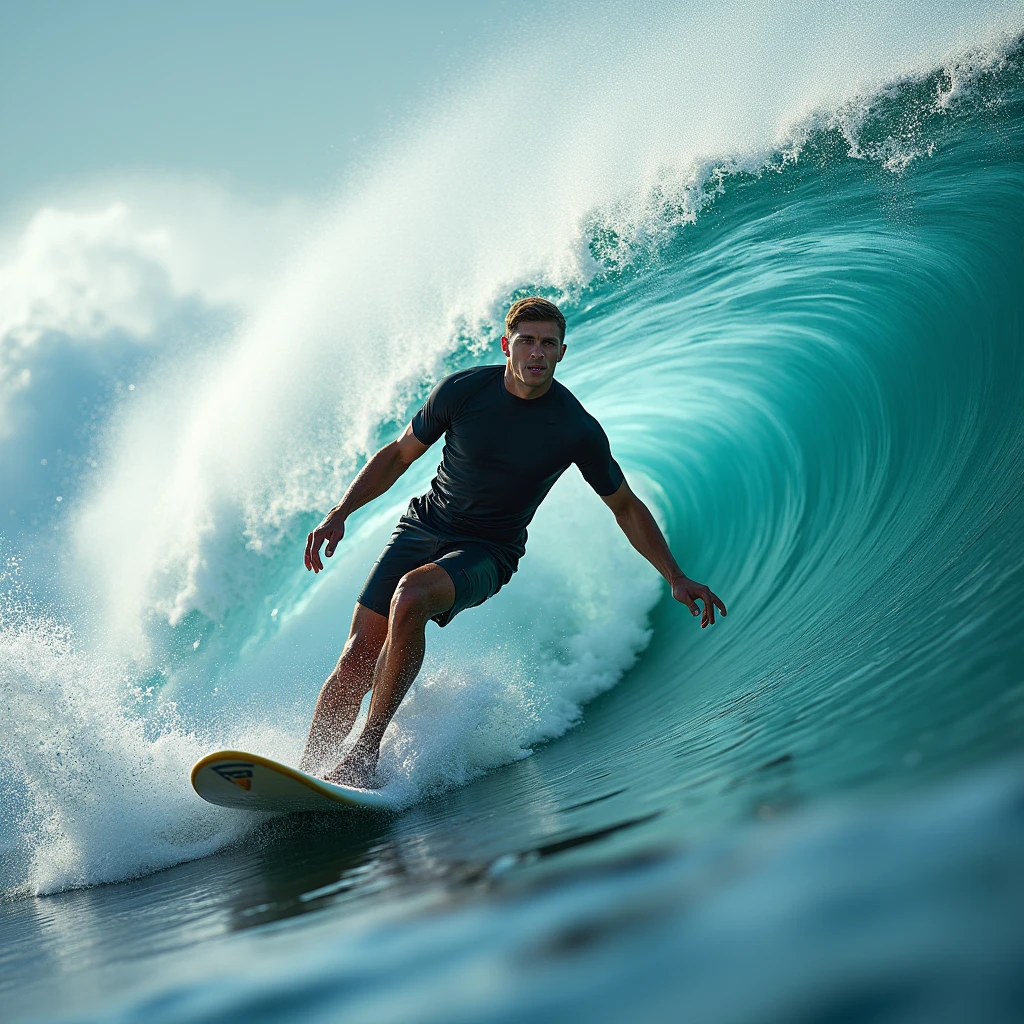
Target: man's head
(534,341)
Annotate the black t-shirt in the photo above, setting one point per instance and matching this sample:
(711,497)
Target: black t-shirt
(502,454)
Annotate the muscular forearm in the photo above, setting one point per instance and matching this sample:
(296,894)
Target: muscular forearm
(372,480)
(645,535)
(637,523)
(382,470)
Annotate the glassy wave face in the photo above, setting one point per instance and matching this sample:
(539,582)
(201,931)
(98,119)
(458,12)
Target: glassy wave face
(806,351)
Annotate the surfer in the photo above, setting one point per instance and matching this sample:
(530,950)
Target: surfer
(510,431)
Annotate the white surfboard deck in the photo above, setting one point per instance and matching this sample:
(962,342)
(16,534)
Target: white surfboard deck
(233,778)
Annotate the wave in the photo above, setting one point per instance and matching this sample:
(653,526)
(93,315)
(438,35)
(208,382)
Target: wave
(794,310)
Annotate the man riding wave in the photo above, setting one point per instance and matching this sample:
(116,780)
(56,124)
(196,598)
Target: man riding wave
(510,431)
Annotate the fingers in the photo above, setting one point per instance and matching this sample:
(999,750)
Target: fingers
(316,538)
(313,542)
(682,595)
(709,600)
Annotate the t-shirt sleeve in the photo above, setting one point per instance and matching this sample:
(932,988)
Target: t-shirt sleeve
(436,415)
(596,464)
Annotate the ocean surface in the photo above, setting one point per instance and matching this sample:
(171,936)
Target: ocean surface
(791,257)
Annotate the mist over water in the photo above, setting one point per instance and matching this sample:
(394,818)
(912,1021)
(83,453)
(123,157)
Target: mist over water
(788,248)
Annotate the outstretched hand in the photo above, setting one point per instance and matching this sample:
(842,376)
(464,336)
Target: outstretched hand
(331,530)
(689,592)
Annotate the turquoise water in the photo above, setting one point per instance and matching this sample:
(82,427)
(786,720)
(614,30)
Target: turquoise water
(808,357)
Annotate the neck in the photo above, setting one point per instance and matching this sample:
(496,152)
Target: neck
(514,386)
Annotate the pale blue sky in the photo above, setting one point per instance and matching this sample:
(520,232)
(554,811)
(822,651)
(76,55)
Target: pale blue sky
(264,96)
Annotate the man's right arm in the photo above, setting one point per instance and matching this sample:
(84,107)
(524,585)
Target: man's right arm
(379,473)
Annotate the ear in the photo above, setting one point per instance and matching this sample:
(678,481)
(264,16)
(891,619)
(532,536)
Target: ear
(562,352)
(504,344)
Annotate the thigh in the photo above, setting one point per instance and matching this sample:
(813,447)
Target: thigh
(409,548)
(477,572)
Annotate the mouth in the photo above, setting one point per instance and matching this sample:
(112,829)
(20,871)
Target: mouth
(536,369)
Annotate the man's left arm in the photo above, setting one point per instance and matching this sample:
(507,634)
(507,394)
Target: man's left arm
(637,523)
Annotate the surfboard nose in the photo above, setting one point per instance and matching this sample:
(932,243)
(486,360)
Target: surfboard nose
(244,781)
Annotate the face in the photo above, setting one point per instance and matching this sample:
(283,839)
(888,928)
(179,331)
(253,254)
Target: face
(533,350)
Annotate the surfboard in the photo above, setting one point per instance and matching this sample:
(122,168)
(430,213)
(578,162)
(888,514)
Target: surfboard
(233,778)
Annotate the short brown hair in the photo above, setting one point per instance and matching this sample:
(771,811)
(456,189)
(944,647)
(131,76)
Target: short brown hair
(533,308)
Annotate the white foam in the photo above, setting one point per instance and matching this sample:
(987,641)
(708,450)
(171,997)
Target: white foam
(94,767)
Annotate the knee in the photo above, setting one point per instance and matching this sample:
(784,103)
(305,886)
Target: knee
(410,605)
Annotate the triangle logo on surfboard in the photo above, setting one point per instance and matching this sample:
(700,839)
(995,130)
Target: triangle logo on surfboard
(239,774)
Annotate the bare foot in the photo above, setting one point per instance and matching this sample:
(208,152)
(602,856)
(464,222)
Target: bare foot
(356,769)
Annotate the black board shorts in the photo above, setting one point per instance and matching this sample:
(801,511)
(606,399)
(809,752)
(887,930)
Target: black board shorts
(478,568)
